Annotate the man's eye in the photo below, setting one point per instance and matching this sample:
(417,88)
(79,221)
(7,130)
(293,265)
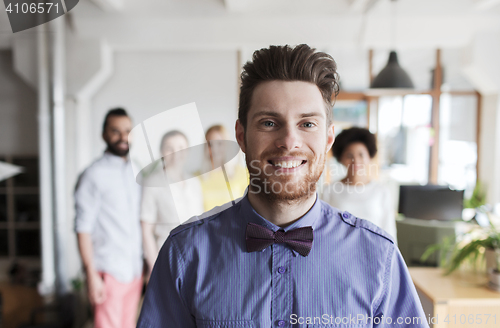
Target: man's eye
(269,124)
(308,124)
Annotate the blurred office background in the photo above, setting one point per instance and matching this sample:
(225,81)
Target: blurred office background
(58,80)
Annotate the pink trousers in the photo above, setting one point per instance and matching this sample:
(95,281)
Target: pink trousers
(119,310)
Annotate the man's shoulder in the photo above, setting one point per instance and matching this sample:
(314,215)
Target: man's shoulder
(205,220)
(98,165)
(355,222)
(92,173)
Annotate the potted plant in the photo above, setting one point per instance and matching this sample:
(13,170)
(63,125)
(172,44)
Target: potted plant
(478,197)
(494,273)
(472,248)
(473,206)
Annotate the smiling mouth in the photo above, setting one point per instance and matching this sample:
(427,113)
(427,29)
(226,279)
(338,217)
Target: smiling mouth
(287,164)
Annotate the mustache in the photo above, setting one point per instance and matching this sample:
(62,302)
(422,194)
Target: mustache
(119,142)
(283,154)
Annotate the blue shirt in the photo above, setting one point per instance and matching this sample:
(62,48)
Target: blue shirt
(354,276)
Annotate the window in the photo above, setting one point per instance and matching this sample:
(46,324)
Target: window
(458,144)
(404,137)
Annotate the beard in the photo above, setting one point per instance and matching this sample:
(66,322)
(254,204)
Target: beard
(113,149)
(284,187)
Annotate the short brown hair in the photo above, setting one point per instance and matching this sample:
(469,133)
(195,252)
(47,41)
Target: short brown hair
(284,63)
(216,128)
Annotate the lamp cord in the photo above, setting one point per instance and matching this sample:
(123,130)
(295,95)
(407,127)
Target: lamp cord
(393,25)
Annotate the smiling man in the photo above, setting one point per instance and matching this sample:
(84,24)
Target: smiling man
(280,257)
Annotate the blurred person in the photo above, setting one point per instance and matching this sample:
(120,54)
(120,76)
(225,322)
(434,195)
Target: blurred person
(357,192)
(213,183)
(281,255)
(108,228)
(163,209)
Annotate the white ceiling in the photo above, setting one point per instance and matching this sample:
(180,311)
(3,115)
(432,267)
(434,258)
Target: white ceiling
(239,23)
(302,7)
(226,24)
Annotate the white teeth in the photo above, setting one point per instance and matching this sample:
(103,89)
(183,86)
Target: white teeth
(287,164)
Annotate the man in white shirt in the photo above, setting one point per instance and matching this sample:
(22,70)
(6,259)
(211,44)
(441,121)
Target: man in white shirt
(109,233)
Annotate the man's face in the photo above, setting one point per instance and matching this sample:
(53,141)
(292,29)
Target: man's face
(286,139)
(356,158)
(116,134)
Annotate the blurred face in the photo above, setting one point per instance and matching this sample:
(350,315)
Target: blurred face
(216,151)
(356,159)
(170,149)
(116,135)
(286,139)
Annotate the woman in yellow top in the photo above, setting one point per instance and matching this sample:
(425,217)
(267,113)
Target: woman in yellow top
(213,184)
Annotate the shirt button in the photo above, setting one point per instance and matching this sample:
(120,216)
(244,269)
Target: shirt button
(281,270)
(345,215)
(281,323)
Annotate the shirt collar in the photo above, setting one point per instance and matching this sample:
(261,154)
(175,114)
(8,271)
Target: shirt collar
(115,159)
(308,219)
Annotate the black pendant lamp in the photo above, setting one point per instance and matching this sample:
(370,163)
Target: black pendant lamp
(392,76)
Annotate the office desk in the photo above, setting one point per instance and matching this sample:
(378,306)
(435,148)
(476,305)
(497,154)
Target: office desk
(453,303)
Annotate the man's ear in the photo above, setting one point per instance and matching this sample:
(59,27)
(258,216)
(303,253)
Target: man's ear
(330,137)
(240,135)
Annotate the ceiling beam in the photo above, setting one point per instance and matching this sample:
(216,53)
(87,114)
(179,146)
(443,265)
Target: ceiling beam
(229,31)
(483,5)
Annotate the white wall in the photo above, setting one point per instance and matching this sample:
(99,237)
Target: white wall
(146,83)
(486,74)
(489,168)
(486,53)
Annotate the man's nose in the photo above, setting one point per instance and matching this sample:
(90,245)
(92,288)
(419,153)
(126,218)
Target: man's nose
(124,137)
(289,138)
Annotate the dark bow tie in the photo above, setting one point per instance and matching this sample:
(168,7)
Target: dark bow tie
(259,238)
